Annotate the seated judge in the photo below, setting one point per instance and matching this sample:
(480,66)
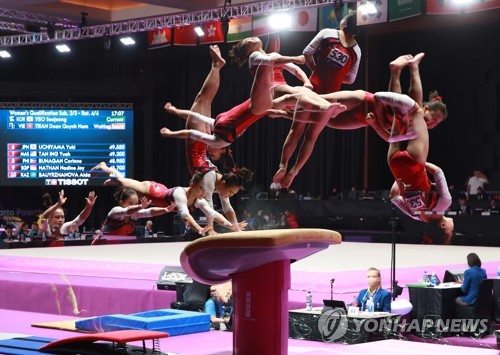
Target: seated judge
(380,297)
(218,308)
(472,279)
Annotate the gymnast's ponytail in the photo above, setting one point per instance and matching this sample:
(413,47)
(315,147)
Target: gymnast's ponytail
(435,103)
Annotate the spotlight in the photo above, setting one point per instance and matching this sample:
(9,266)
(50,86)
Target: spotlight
(199,31)
(367,8)
(4,54)
(280,21)
(63,48)
(84,19)
(128,41)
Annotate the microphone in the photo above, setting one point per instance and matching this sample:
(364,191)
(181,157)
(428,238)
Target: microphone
(331,288)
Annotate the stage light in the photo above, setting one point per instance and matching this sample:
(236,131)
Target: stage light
(106,42)
(51,30)
(199,31)
(4,54)
(280,21)
(128,41)
(63,48)
(83,23)
(367,8)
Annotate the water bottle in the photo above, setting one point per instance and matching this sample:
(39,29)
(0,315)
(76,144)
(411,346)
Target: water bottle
(370,306)
(309,301)
(425,277)
(433,279)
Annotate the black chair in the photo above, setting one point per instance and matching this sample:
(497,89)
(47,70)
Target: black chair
(191,296)
(482,309)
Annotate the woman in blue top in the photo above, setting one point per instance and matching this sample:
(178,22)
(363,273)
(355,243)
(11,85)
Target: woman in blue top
(375,293)
(472,279)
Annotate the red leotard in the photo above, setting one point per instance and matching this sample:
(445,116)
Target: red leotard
(414,183)
(333,63)
(119,227)
(231,124)
(196,155)
(160,195)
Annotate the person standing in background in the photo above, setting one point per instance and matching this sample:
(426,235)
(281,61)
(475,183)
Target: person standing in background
(477,180)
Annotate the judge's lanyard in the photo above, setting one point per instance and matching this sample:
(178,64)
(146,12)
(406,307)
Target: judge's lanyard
(369,295)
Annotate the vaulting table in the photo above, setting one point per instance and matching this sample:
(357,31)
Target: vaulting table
(258,263)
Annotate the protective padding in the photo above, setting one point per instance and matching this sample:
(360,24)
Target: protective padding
(171,321)
(214,259)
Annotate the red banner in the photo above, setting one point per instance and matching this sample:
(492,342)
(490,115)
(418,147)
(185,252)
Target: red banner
(185,36)
(213,33)
(160,38)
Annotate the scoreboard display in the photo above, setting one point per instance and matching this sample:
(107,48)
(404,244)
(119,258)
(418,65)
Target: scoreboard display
(45,146)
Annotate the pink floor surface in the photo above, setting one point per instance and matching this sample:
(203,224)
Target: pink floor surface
(33,284)
(220,343)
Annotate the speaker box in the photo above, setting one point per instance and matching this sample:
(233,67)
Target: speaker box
(168,277)
(456,275)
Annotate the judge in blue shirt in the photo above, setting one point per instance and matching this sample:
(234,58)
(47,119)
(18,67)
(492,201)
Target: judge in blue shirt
(380,297)
(472,279)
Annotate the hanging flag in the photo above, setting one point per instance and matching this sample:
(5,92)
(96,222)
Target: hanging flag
(185,36)
(442,7)
(304,20)
(213,33)
(160,38)
(239,28)
(400,9)
(327,18)
(261,26)
(379,16)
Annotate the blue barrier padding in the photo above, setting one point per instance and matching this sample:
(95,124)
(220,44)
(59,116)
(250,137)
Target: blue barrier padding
(23,346)
(172,321)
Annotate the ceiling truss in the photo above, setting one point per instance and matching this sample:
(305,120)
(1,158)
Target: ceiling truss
(147,24)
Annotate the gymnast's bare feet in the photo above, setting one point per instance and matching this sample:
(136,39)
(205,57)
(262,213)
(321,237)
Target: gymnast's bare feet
(217,60)
(280,174)
(399,63)
(100,169)
(165,132)
(415,61)
(337,108)
(170,108)
(288,179)
(111,182)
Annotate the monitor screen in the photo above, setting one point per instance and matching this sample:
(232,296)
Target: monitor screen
(58,146)
(454,275)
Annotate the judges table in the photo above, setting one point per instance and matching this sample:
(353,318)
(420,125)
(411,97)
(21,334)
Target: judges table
(433,303)
(365,327)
